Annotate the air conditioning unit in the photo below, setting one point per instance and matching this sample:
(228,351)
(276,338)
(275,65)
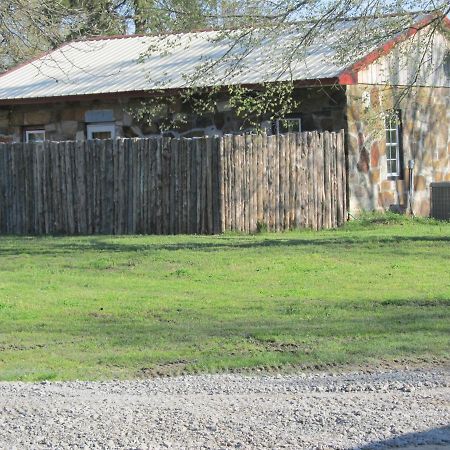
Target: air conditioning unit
(440,201)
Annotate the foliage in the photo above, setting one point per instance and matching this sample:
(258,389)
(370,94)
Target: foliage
(308,23)
(152,16)
(141,16)
(104,307)
(28,27)
(261,227)
(269,100)
(374,219)
(96,17)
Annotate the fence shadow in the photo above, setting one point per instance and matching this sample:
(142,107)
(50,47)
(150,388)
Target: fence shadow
(100,243)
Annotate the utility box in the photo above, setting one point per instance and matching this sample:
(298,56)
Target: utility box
(440,201)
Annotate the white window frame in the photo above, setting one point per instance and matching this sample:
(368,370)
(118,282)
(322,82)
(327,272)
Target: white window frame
(288,119)
(101,128)
(38,131)
(391,123)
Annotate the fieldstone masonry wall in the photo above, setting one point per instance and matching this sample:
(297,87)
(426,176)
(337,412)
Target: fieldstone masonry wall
(61,121)
(425,117)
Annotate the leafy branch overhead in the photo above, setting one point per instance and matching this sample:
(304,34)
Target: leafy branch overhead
(28,27)
(274,39)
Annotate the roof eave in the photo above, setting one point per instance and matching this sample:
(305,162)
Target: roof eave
(143,94)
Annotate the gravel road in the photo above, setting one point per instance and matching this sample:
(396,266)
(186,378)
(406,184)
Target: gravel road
(303,411)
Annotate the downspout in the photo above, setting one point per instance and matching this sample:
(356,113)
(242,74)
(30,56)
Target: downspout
(411,186)
(346,152)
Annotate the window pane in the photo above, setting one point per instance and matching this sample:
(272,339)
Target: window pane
(38,136)
(101,135)
(389,167)
(101,131)
(394,136)
(392,166)
(289,125)
(392,154)
(388,136)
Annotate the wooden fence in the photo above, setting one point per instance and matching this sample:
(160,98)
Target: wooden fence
(171,186)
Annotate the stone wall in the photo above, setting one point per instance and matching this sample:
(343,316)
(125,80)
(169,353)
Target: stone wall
(425,119)
(321,108)
(61,120)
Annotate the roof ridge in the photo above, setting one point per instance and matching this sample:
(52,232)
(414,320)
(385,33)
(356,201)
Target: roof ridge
(138,35)
(211,29)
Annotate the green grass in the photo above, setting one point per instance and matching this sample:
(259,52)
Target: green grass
(104,307)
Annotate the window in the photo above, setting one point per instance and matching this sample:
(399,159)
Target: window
(446,64)
(293,125)
(393,143)
(34,135)
(101,131)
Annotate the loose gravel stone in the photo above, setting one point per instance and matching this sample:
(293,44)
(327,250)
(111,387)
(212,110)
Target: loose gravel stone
(305,411)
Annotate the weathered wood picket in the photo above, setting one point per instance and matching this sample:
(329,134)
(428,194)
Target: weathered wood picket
(172,186)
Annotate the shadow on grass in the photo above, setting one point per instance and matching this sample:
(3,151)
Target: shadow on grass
(217,338)
(10,246)
(436,438)
(172,328)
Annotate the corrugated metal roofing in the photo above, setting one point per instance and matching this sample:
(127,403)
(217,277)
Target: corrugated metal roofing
(113,65)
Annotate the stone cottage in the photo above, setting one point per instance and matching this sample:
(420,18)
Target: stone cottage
(393,102)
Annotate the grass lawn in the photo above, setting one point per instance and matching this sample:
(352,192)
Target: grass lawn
(125,307)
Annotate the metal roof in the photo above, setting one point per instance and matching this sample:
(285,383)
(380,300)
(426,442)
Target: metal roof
(118,64)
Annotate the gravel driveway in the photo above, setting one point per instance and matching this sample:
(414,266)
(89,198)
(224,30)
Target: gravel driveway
(303,411)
